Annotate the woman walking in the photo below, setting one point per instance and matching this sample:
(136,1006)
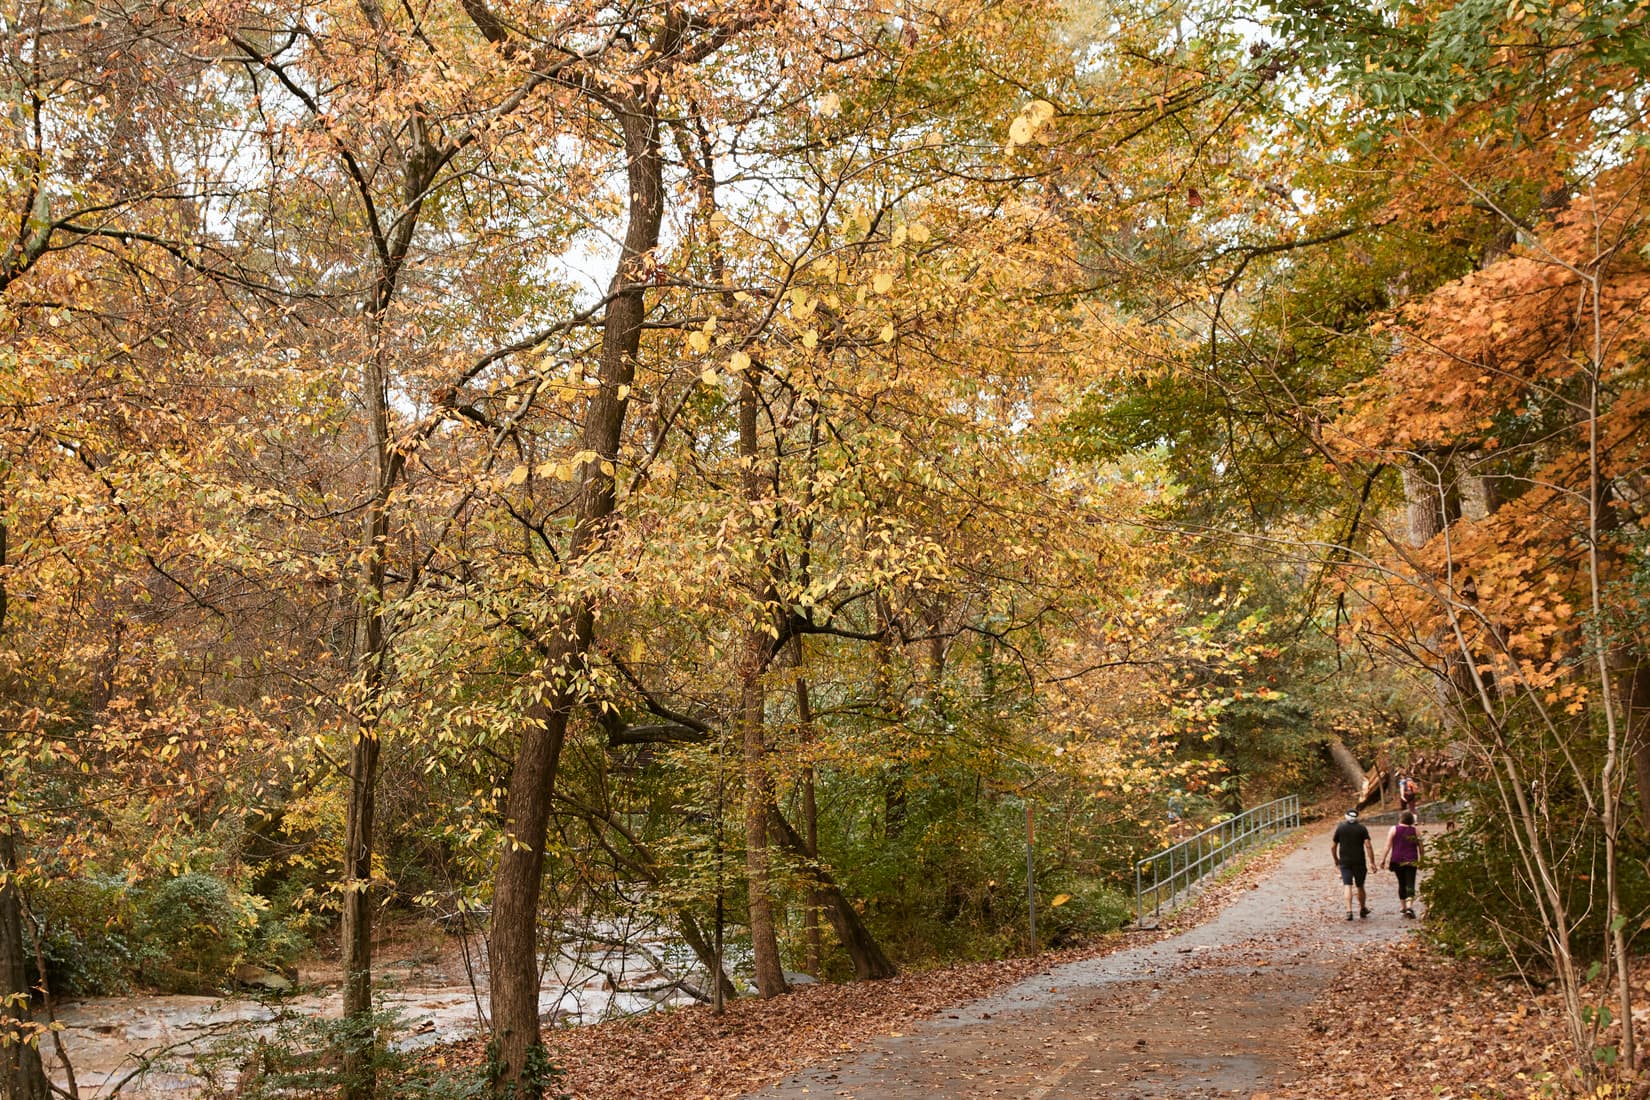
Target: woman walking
(1403,855)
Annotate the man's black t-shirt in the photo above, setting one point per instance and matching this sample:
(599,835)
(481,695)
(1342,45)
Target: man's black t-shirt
(1351,837)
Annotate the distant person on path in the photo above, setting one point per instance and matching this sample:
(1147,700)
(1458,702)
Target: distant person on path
(1409,793)
(1177,813)
(1349,848)
(1403,855)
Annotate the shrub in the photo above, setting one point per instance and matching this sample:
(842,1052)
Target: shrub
(1091,909)
(194,930)
(1480,903)
(86,935)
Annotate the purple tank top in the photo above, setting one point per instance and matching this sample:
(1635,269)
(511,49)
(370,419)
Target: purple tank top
(1404,846)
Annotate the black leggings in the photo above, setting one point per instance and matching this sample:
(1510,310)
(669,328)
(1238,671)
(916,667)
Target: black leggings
(1406,879)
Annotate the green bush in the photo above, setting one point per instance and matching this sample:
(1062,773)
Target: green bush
(1092,909)
(86,935)
(102,935)
(1478,900)
(947,880)
(194,929)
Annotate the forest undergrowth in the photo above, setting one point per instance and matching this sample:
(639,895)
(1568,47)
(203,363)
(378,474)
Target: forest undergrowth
(692,1053)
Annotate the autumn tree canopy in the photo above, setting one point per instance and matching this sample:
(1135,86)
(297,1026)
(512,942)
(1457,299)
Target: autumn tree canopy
(736,463)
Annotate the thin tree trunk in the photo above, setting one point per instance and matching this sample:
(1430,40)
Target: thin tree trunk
(359,1077)
(810,812)
(513,947)
(705,952)
(360,1041)
(21,1071)
(1636,720)
(770,973)
(870,963)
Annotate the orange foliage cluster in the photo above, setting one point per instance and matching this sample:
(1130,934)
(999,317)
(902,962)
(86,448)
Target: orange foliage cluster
(1524,383)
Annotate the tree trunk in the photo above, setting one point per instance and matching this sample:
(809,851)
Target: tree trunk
(359,1077)
(1635,696)
(1423,506)
(21,1071)
(1479,493)
(1347,763)
(759,652)
(360,1037)
(516,884)
(705,951)
(1427,506)
(770,974)
(21,1074)
(870,963)
(810,812)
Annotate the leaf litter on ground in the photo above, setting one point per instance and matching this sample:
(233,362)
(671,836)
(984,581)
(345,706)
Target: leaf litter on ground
(692,1054)
(1408,1022)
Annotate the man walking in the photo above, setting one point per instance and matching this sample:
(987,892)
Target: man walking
(1353,853)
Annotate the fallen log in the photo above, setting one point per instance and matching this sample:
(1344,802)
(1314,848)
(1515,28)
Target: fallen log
(1369,785)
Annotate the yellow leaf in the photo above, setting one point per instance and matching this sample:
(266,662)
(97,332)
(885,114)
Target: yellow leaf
(888,333)
(709,377)
(699,342)
(882,283)
(1019,132)
(810,339)
(739,361)
(918,233)
(1059,900)
(517,476)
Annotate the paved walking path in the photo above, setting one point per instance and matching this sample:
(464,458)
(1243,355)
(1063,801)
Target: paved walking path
(1204,1013)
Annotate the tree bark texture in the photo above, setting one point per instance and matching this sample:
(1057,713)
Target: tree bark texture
(21,1072)
(1423,505)
(770,974)
(513,946)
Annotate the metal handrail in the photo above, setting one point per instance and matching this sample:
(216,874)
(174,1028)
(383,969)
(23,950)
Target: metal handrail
(1198,856)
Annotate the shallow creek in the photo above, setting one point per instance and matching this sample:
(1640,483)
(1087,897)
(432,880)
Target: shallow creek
(173,1046)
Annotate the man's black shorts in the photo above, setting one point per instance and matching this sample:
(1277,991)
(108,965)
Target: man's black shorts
(1353,874)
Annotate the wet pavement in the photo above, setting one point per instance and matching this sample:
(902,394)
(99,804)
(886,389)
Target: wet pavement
(1209,1012)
